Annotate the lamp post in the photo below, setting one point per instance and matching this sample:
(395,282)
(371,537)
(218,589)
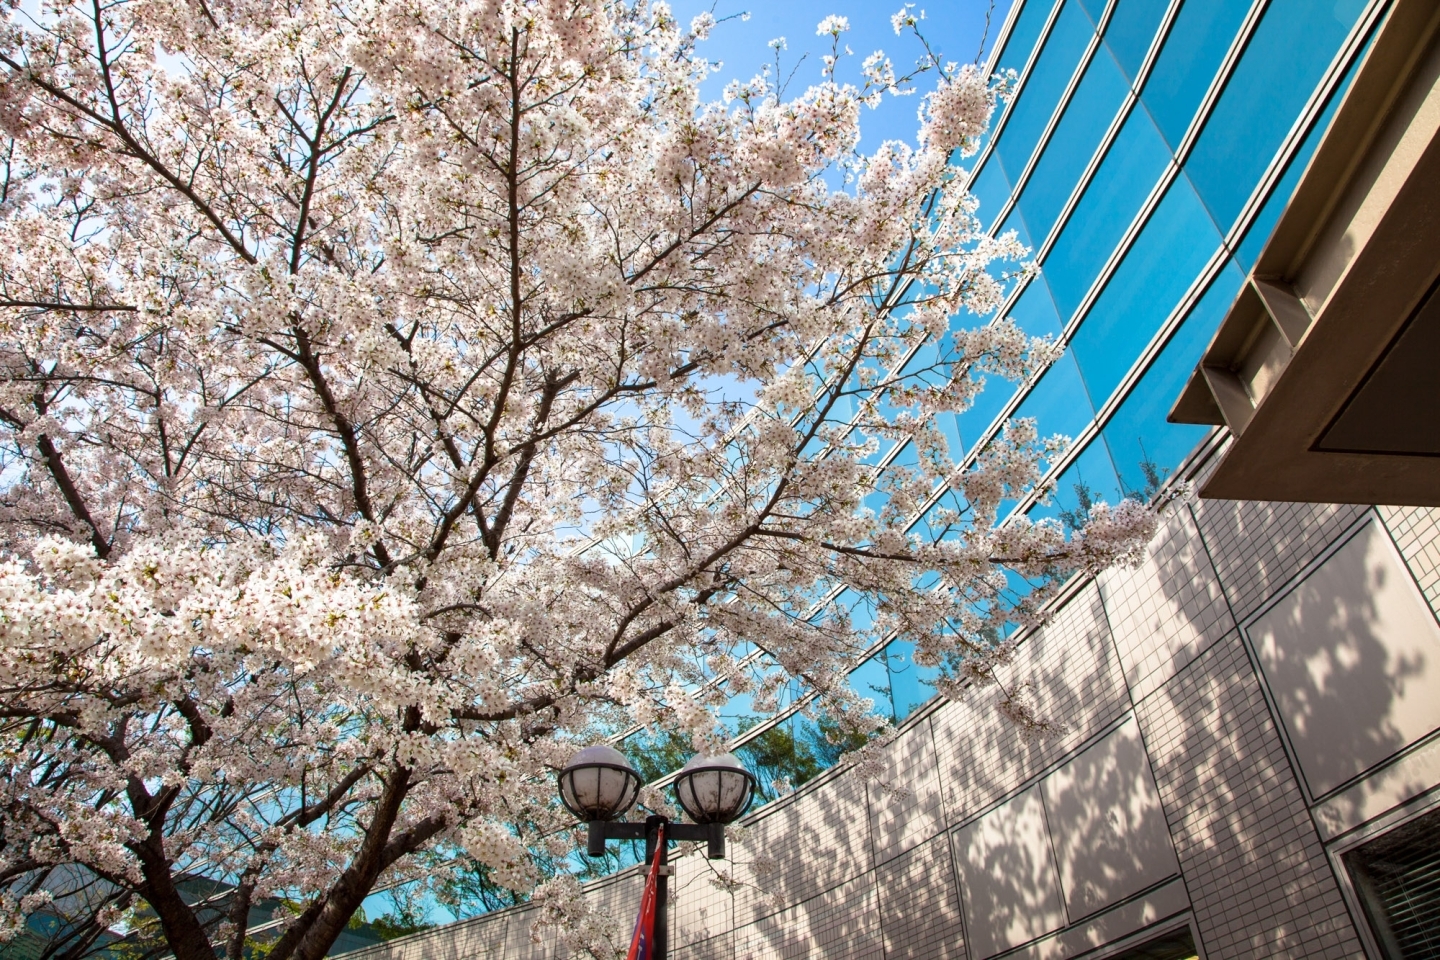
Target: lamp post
(599,785)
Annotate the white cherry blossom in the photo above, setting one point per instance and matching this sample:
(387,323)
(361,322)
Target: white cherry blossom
(396,397)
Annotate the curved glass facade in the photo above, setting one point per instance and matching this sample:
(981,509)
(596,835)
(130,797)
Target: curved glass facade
(1147,152)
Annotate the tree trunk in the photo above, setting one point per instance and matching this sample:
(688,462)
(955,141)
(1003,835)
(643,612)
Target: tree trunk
(183,932)
(355,884)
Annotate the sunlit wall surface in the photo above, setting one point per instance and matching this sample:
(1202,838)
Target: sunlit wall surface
(1147,152)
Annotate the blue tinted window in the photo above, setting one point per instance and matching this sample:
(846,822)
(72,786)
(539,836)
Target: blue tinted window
(807,741)
(987,406)
(992,189)
(1090,475)
(1138,434)
(1041,91)
(873,459)
(1287,56)
(1193,51)
(1035,312)
(1016,588)
(949,425)
(1019,46)
(1023,35)
(924,358)
(739,711)
(1016,222)
(875,501)
(1259,230)
(926,581)
(1131,166)
(930,526)
(910,685)
(872,680)
(1077,135)
(1130,31)
(1058,403)
(925,367)
(760,755)
(1174,246)
(908,455)
(859,607)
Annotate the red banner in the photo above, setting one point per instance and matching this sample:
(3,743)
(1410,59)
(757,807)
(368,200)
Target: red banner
(642,944)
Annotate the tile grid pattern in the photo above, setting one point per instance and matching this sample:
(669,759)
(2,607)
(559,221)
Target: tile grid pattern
(1417,533)
(828,826)
(1076,678)
(864,874)
(1166,611)
(1257,547)
(901,816)
(919,905)
(1259,881)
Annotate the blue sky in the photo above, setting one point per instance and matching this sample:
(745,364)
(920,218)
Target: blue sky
(953,27)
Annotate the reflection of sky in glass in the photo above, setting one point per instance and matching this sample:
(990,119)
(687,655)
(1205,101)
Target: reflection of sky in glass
(1082,125)
(1114,196)
(1058,403)
(740,707)
(1193,51)
(872,681)
(1177,240)
(1286,57)
(1130,31)
(1036,101)
(1174,245)
(1023,34)
(910,685)
(1091,473)
(1138,432)
(860,608)
(1259,230)
(987,406)
(1034,310)
(992,189)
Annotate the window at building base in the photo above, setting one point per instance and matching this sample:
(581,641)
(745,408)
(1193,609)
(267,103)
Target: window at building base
(1175,945)
(1397,876)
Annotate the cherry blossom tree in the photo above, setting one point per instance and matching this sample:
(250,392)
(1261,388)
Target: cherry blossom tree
(397,395)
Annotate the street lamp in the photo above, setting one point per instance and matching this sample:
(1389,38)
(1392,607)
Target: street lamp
(714,790)
(598,785)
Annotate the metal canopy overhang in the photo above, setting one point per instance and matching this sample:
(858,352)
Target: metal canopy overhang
(1326,370)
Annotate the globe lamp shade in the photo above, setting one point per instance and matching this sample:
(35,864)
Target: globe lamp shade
(599,784)
(714,789)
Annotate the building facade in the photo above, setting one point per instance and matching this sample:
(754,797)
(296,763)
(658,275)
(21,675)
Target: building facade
(1250,764)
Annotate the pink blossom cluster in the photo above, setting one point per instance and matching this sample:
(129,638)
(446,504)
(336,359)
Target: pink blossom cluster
(395,397)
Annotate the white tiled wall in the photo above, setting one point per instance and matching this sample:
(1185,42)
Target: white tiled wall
(1106,824)
(1352,658)
(1199,695)
(1006,869)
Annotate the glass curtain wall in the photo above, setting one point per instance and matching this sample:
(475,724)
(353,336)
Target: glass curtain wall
(1147,152)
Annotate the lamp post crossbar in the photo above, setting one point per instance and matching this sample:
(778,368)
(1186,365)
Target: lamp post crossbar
(712,834)
(599,785)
